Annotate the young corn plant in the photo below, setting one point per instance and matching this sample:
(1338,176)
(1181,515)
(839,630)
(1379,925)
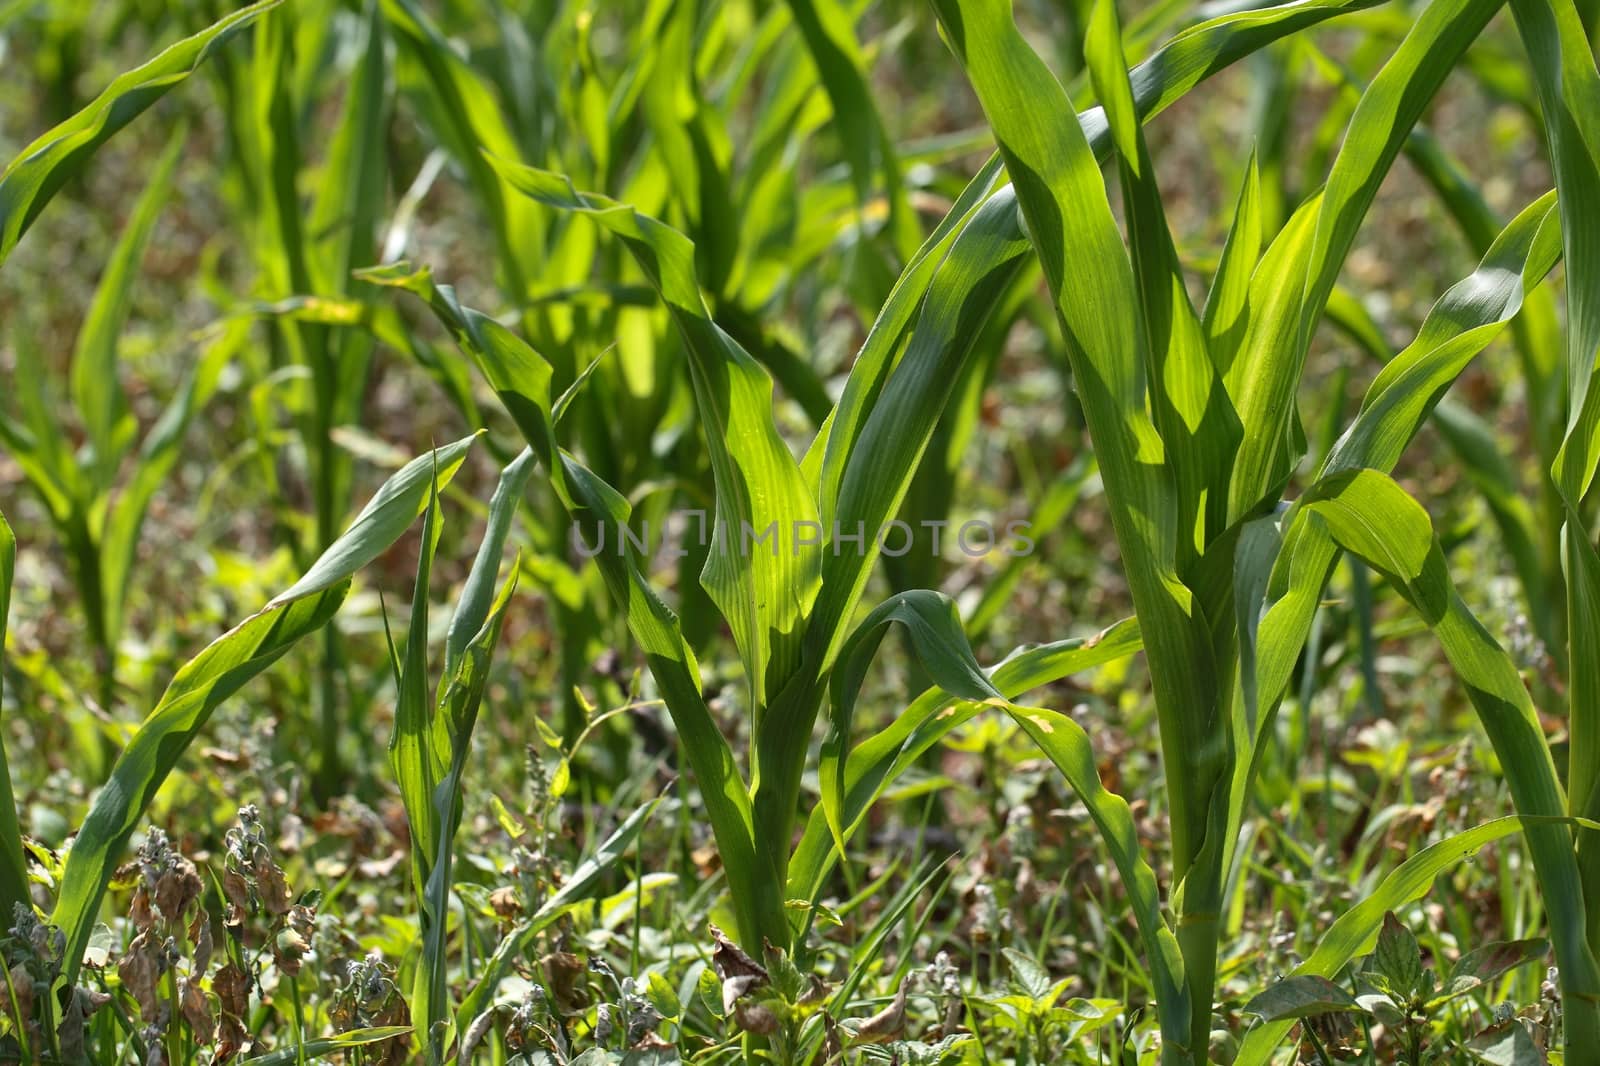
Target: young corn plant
(216,673)
(1196,433)
(789,603)
(321,373)
(99,525)
(430,744)
(95,514)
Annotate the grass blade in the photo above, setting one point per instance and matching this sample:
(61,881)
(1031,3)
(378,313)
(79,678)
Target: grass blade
(572,892)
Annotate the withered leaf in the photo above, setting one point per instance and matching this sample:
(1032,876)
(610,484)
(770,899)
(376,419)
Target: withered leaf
(887,1023)
(140,971)
(232,986)
(197,1010)
(731,960)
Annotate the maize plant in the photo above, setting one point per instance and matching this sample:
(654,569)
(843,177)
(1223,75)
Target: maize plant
(1197,437)
(649,234)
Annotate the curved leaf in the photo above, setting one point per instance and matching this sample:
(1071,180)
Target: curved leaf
(42,168)
(219,671)
(763,593)
(1369,515)
(933,626)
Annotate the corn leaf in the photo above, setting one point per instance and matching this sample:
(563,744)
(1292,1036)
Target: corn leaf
(418,761)
(1370,516)
(158,453)
(95,389)
(876,762)
(39,172)
(13,871)
(1264,380)
(1191,409)
(1061,195)
(521,379)
(1569,93)
(880,444)
(430,744)
(765,594)
(933,625)
(825,26)
(940,645)
(219,671)
(1459,326)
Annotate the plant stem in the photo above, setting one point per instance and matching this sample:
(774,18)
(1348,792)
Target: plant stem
(1322,1052)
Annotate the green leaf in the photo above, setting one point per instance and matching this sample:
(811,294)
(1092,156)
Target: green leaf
(1027,975)
(1459,326)
(1192,410)
(1301,996)
(449,738)
(219,671)
(1398,957)
(13,871)
(876,762)
(1066,744)
(1061,195)
(874,450)
(521,378)
(1482,965)
(765,594)
(829,36)
(1264,381)
(325,1046)
(416,758)
(388,514)
(1100,307)
(42,168)
(158,455)
(941,646)
(1208,47)
(95,388)
(933,625)
(473,606)
(1569,94)
(1506,1044)
(1368,514)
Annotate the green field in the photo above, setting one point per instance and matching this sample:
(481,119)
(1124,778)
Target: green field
(800,532)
